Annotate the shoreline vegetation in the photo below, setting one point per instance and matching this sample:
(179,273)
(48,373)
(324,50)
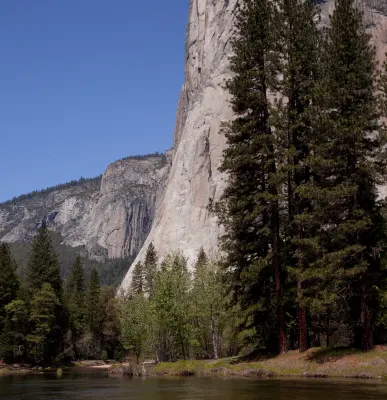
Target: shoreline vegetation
(315,363)
(320,363)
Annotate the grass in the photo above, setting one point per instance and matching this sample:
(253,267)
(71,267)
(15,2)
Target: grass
(316,363)
(7,371)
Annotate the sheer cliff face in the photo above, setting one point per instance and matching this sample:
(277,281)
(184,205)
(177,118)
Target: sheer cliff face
(109,217)
(183,221)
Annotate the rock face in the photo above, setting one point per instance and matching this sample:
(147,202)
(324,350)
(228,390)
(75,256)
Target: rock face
(110,216)
(184,221)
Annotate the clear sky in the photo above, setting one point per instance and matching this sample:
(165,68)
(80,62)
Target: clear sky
(84,83)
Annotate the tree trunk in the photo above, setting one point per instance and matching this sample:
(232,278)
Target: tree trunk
(213,334)
(302,322)
(301,310)
(366,319)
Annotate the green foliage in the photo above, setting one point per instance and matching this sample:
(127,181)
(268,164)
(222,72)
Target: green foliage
(138,278)
(150,270)
(110,271)
(43,323)
(9,283)
(43,264)
(208,299)
(184,317)
(135,319)
(345,154)
(74,295)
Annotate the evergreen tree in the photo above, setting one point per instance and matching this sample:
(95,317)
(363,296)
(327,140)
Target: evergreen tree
(202,260)
(249,209)
(138,278)
(9,283)
(150,269)
(345,151)
(94,312)
(43,264)
(42,318)
(298,49)
(75,301)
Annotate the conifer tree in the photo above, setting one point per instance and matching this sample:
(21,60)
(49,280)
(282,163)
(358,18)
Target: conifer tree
(202,259)
(249,209)
(344,158)
(43,264)
(298,53)
(138,278)
(9,283)
(43,321)
(75,301)
(94,309)
(150,269)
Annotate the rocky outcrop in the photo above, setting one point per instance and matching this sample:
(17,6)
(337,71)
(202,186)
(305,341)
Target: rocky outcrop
(109,216)
(184,221)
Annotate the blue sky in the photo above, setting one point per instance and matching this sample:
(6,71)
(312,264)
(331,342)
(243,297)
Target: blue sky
(84,83)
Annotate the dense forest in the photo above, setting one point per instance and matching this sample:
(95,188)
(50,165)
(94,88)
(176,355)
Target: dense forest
(43,320)
(302,261)
(110,271)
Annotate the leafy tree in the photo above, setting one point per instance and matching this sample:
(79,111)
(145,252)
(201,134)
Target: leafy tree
(150,269)
(43,265)
(111,331)
(135,323)
(17,328)
(173,307)
(9,283)
(42,318)
(138,278)
(209,302)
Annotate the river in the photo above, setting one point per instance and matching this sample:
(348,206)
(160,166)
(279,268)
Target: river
(97,386)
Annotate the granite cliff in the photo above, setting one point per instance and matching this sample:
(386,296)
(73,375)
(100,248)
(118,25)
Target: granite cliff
(109,216)
(184,220)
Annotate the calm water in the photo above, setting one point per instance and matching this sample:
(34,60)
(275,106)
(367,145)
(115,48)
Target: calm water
(97,386)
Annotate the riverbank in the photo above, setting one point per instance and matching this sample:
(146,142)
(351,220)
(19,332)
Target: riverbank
(315,363)
(6,371)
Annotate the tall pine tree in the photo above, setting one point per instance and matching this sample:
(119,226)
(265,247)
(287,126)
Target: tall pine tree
(94,309)
(43,264)
(344,161)
(150,269)
(249,209)
(138,279)
(75,302)
(298,53)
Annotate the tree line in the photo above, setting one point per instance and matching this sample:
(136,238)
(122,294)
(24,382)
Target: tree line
(304,239)
(45,321)
(170,313)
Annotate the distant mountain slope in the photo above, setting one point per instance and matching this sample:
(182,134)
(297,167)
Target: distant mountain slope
(108,217)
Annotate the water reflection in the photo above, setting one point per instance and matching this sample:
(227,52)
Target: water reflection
(97,386)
